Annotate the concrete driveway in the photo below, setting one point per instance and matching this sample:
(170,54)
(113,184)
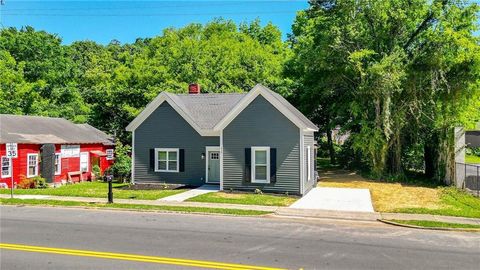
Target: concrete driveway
(338,199)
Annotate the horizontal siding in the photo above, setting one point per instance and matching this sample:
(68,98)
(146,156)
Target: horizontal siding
(261,124)
(165,128)
(309,140)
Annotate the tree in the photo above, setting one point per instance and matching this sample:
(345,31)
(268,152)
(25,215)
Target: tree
(395,73)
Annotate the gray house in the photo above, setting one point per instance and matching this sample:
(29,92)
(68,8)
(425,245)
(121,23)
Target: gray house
(248,141)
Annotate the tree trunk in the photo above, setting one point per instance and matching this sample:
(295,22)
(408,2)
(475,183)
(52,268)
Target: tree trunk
(331,149)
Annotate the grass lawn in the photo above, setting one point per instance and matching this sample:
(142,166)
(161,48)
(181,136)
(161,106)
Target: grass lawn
(471,159)
(97,189)
(140,207)
(407,198)
(244,198)
(436,224)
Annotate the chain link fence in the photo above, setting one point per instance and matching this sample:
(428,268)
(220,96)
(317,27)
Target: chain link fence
(468,177)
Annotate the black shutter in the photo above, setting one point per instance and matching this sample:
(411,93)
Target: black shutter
(182,160)
(248,165)
(273,165)
(152,159)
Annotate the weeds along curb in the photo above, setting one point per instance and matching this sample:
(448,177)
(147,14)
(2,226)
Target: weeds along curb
(430,228)
(84,207)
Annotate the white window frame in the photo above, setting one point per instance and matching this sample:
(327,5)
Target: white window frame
(59,155)
(9,167)
(28,165)
(80,161)
(177,150)
(309,163)
(253,165)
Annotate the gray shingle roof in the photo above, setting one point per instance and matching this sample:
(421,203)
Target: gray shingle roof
(207,109)
(39,130)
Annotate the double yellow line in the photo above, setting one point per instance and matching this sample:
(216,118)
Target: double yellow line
(133,257)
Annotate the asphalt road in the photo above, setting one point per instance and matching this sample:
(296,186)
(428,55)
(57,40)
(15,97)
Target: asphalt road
(273,242)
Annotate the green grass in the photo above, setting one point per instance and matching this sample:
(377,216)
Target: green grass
(244,198)
(140,207)
(471,159)
(97,190)
(436,224)
(453,202)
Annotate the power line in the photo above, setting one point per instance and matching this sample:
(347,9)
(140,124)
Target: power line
(161,5)
(150,14)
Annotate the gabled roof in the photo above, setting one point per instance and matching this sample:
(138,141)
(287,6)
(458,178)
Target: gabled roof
(40,130)
(208,114)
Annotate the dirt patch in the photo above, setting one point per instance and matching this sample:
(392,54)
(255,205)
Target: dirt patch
(386,196)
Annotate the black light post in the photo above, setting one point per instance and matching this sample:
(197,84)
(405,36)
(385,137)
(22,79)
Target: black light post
(110,191)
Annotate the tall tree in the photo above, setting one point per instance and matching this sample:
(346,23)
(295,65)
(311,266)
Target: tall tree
(395,73)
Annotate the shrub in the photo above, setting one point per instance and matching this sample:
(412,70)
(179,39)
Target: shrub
(40,182)
(96,171)
(34,182)
(26,183)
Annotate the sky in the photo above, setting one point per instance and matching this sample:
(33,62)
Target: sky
(105,20)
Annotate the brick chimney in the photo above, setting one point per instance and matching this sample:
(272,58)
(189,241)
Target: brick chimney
(194,88)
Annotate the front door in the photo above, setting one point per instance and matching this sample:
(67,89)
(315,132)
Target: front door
(213,166)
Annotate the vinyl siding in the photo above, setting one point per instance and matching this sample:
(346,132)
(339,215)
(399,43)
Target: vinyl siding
(261,124)
(165,128)
(309,140)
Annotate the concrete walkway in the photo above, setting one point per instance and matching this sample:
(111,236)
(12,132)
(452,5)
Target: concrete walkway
(336,199)
(191,193)
(279,211)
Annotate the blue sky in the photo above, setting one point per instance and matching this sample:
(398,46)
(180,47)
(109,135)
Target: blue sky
(104,20)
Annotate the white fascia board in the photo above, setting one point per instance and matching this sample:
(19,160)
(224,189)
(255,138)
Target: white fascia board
(254,93)
(152,106)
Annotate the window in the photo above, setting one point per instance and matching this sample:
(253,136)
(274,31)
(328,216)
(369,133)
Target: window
(260,164)
(309,163)
(214,155)
(32,165)
(6,167)
(58,164)
(166,159)
(84,162)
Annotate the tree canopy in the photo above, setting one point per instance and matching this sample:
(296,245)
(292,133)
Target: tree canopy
(398,74)
(108,86)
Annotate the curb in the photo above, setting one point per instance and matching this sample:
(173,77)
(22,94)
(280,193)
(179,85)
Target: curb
(135,210)
(429,228)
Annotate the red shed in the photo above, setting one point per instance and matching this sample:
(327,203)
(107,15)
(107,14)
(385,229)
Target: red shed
(53,148)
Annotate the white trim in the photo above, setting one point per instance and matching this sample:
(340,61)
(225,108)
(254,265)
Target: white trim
(309,163)
(28,165)
(59,163)
(253,164)
(249,98)
(10,161)
(221,159)
(168,160)
(207,157)
(132,180)
(87,154)
(302,160)
(152,106)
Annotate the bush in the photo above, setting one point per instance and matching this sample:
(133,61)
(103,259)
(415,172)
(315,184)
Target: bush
(40,182)
(473,151)
(96,171)
(34,182)
(26,183)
